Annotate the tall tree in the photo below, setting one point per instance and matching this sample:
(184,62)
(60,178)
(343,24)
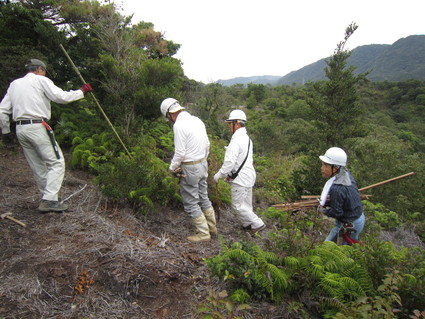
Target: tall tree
(130,66)
(336,113)
(138,70)
(334,102)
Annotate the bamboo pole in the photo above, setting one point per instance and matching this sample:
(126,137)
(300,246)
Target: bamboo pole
(386,181)
(311,201)
(96,101)
(367,187)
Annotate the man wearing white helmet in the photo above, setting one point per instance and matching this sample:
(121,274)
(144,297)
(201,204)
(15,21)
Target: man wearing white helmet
(190,164)
(238,169)
(344,198)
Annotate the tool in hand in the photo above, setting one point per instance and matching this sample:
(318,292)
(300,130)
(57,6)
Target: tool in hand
(95,100)
(178,172)
(52,138)
(9,216)
(217,203)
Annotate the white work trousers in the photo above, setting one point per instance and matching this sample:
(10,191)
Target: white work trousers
(194,189)
(48,170)
(242,205)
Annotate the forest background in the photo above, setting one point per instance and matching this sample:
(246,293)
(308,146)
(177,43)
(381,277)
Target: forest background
(131,68)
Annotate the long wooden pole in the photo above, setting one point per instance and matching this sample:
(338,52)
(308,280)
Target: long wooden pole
(367,187)
(387,181)
(314,198)
(96,101)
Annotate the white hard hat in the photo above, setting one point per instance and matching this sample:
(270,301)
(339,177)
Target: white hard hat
(236,115)
(170,105)
(335,156)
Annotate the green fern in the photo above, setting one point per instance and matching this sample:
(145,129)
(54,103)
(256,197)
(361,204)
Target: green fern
(248,267)
(382,305)
(240,296)
(339,276)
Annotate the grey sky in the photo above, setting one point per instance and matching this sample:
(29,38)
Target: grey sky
(224,39)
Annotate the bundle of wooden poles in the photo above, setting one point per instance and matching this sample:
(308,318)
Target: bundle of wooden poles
(312,201)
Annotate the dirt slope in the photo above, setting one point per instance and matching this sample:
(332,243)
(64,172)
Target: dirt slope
(97,260)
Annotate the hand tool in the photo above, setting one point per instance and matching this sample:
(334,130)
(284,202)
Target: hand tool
(9,216)
(52,138)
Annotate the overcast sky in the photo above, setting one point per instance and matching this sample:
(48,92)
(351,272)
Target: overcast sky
(224,39)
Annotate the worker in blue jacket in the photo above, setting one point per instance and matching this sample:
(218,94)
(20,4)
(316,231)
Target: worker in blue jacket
(340,198)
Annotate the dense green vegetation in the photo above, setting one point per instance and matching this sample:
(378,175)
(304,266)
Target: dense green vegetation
(131,67)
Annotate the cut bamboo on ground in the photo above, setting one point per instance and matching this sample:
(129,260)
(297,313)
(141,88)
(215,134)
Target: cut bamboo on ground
(312,201)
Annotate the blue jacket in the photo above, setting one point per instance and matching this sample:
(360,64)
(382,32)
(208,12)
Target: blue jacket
(345,203)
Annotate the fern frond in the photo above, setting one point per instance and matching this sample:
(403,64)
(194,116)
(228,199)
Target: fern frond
(333,303)
(292,262)
(238,254)
(279,277)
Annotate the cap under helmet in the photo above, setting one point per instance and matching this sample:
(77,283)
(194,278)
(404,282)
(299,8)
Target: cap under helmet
(170,105)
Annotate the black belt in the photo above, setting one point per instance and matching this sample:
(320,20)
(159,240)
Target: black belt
(23,122)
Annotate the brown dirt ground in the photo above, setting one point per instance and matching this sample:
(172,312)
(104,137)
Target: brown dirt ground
(101,261)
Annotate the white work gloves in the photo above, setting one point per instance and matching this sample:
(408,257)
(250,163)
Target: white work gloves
(217,176)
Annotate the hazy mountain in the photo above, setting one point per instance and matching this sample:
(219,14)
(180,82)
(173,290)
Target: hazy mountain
(264,79)
(404,59)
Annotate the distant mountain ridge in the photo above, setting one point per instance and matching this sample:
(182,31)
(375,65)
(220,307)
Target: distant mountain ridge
(262,79)
(403,60)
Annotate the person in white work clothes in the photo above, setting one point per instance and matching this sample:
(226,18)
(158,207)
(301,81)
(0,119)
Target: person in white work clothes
(238,170)
(189,163)
(27,100)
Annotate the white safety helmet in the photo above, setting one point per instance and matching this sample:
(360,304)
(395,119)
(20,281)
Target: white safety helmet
(170,105)
(335,156)
(236,115)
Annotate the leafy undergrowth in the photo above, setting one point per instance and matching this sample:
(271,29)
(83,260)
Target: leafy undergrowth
(103,260)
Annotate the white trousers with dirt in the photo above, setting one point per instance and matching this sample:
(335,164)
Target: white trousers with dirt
(242,205)
(48,170)
(194,189)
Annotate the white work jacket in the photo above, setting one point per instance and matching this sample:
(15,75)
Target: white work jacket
(191,141)
(235,154)
(29,98)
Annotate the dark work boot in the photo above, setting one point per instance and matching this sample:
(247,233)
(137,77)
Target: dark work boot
(52,206)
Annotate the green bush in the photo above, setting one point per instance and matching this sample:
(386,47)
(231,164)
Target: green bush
(388,220)
(246,266)
(92,151)
(337,279)
(76,120)
(143,180)
(383,305)
(294,233)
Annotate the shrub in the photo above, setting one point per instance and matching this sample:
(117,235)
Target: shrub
(387,219)
(246,266)
(142,180)
(90,152)
(294,233)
